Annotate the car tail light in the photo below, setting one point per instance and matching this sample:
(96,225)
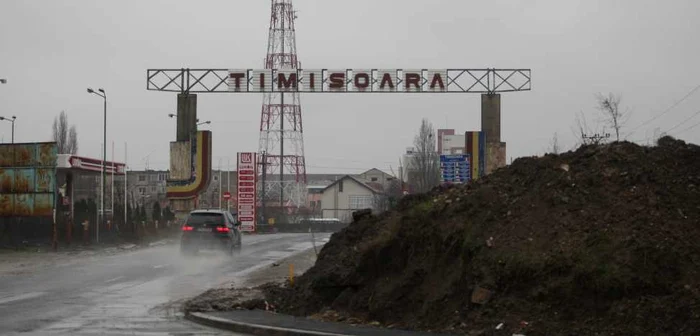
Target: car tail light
(222,229)
(187,228)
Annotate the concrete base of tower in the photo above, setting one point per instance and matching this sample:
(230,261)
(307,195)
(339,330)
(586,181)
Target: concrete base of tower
(495,156)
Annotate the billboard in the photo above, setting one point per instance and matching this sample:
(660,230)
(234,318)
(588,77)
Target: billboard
(339,80)
(27,179)
(247,193)
(475,145)
(455,168)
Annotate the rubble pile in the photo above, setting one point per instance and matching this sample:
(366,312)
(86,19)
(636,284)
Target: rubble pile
(601,240)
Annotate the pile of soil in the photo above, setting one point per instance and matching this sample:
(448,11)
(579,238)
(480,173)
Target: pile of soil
(602,240)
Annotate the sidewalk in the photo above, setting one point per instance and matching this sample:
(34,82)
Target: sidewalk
(27,259)
(258,322)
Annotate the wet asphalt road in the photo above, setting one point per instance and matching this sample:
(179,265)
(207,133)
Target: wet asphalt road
(131,293)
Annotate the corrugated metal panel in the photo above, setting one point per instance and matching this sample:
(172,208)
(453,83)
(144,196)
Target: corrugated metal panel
(311,81)
(258,83)
(327,81)
(351,80)
(231,82)
(440,82)
(387,77)
(27,179)
(407,74)
(288,75)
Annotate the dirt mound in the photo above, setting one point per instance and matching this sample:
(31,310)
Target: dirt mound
(604,240)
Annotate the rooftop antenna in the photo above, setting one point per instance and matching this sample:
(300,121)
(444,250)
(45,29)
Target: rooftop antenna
(146,159)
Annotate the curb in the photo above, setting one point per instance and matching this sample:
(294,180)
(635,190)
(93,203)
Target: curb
(249,328)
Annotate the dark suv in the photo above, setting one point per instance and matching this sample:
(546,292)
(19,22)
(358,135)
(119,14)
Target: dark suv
(210,229)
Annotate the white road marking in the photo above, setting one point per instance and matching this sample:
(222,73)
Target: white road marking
(161,266)
(114,279)
(24,296)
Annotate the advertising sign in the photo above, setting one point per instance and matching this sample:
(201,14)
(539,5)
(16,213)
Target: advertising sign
(455,168)
(475,144)
(247,176)
(339,80)
(27,179)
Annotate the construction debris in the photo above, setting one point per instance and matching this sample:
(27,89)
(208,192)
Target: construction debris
(602,240)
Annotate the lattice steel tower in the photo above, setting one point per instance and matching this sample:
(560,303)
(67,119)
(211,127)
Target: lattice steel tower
(281,132)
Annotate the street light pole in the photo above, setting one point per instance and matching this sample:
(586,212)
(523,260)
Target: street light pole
(102,94)
(12,120)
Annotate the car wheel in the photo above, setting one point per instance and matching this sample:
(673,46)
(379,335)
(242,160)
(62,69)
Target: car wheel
(230,249)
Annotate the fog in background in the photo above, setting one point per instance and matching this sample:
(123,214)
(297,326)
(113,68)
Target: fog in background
(51,51)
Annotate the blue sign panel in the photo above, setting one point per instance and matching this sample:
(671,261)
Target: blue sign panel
(455,168)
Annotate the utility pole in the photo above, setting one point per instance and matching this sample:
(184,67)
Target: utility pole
(221,194)
(126,203)
(262,192)
(282,147)
(282,107)
(228,184)
(114,167)
(103,94)
(104,165)
(595,139)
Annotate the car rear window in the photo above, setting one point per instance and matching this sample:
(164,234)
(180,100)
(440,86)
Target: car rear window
(199,219)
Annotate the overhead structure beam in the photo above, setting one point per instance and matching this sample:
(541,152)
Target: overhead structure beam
(484,81)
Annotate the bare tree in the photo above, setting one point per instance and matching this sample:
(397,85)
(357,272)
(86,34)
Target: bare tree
(72,140)
(609,105)
(426,161)
(66,137)
(391,195)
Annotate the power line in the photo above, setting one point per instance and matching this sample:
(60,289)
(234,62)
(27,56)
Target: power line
(689,128)
(668,109)
(683,122)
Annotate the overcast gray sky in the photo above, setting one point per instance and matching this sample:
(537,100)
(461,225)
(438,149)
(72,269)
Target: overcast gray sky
(51,51)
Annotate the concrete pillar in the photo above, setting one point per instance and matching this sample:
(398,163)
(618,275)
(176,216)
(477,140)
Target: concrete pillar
(491,125)
(491,117)
(186,116)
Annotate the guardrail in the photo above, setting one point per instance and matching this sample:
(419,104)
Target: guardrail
(300,228)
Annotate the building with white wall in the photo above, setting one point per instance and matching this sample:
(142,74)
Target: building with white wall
(346,195)
(452,144)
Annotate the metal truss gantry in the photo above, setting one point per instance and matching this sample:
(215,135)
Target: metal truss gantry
(488,81)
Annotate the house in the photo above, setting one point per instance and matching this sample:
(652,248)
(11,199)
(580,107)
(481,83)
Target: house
(375,177)
(346,195)
(314,193)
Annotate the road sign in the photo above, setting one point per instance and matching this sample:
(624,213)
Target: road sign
(247,176)
(227,195)
(455,168)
